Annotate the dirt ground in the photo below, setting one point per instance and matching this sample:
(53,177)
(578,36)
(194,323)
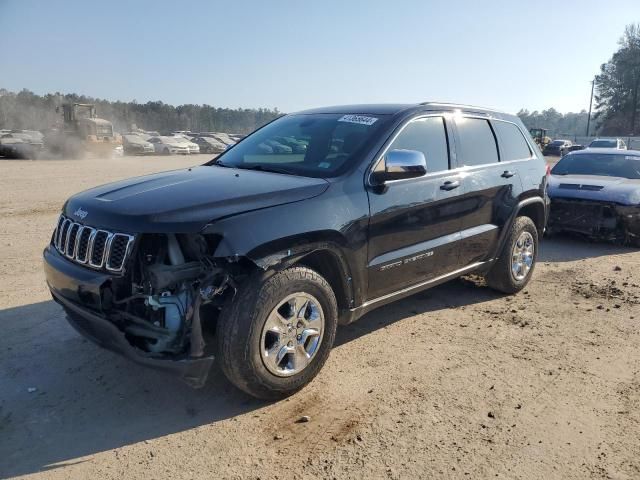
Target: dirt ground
(455,382)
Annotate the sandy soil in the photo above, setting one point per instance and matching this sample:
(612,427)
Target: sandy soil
(455,382)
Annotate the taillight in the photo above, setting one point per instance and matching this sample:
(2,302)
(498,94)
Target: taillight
(548,170)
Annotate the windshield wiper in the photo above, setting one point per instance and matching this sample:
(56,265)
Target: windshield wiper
(262,168)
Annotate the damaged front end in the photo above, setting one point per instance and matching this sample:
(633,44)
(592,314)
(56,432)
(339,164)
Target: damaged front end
(597,220)
(160,310)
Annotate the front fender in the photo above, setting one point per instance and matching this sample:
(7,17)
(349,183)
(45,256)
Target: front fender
(279,236)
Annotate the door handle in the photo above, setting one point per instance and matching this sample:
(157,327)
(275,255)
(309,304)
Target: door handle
(450,185)
(507,174)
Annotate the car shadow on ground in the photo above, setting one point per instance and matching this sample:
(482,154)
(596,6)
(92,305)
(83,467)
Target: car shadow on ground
(88,400)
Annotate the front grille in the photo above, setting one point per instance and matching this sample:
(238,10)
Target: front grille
(93,247)
(577,186)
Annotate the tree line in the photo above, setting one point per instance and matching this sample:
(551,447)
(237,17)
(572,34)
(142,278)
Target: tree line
(27,110)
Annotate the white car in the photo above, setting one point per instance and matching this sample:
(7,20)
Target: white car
(169,145)
(193,147)
(616,143)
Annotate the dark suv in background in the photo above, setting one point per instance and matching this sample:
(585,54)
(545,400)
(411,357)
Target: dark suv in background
(258,255)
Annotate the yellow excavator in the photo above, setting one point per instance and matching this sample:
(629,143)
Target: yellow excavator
(82,133)
(540,137)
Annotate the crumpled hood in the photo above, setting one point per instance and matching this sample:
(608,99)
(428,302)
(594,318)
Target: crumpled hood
(183,201)
(623,191)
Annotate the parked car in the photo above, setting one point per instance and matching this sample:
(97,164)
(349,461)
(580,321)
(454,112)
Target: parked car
(616,143)
(575,147)
(136,145)
(169,145)
(223,138)
(277,147)
(558,147)
(209,145)
(596,193)
(191,146)
(297,146)
(20,145)
(256,257)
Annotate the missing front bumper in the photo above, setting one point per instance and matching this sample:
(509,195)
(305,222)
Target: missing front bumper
(599,220)
(193,371)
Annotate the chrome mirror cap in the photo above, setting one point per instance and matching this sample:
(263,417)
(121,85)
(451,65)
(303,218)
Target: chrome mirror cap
(402,164)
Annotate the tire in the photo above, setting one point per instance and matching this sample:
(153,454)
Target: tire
(502,277)
(243,333)
(166,152)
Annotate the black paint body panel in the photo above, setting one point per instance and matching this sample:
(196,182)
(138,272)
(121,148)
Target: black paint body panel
(388,240)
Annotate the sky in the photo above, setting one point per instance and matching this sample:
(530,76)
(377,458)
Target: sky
(294,54)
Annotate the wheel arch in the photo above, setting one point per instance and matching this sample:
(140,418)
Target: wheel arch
(533,207)
(334,269)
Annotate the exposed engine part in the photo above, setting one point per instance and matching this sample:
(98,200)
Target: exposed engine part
(196,338)
(175,253)
(175,310)
(211,290)
(162,276)
(174,283)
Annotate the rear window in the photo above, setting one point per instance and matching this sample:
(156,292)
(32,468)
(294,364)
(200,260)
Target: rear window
(512,142)
(607,165)
(603,144)
(477,143)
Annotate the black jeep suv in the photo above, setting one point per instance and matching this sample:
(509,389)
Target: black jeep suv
(258,255)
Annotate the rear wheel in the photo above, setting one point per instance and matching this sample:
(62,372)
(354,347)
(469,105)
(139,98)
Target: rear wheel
(276,333)
(513,269)
(166,152)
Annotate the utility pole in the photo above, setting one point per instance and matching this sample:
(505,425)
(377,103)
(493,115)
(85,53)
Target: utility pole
(593,82)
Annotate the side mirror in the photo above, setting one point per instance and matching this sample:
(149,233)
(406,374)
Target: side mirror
(401,164)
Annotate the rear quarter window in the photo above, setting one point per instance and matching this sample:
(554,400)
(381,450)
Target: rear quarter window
(512,143)
(477,143)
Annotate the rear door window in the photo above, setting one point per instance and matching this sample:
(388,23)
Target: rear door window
(426,135)
(477,143)
(512,143)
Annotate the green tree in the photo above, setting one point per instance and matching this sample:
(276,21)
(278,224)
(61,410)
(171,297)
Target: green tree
(618,87)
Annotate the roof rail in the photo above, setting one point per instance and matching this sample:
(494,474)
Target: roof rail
(460,105)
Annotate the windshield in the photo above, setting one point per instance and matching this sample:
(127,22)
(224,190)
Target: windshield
(608,165)
(103,130)
(557,143)
(313,145)
(603,144)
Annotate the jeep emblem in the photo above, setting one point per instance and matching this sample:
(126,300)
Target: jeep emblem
(80,213)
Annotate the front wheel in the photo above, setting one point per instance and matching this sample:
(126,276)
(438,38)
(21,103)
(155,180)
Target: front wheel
(513,269)
(276,333)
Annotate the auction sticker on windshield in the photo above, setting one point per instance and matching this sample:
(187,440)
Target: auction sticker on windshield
(360,119)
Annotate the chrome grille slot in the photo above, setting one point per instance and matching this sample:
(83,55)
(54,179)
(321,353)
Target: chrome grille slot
(89,246)
(56,235)
(118,251)
(72,240)
(62,239)
(83,244)
(98,248)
